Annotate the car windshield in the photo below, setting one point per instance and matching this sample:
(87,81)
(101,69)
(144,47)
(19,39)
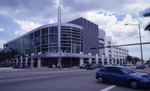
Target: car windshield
(126,70)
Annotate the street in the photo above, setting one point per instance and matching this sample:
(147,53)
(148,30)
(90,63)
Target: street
(64,80)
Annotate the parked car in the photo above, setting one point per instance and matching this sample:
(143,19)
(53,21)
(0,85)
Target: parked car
(149,64)
(16,66)
(99,65)
(83,66)
(122,75)
(91,66)
(140,65)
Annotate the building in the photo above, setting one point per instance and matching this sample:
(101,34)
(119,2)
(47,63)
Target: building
(40,46)
(90,35)
(114,54)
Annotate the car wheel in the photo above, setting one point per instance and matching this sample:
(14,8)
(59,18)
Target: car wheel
(134,84)
(100,79)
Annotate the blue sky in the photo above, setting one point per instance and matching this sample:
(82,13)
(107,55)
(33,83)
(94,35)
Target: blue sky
(20,16)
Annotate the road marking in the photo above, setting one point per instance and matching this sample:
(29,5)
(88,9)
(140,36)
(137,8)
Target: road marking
(108,88)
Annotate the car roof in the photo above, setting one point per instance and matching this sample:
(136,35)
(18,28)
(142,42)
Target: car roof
(113,66)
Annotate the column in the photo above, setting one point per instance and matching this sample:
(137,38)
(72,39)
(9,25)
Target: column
(81,59)
(112,61)
(108,60)
(103,59)
(26,61)
(21,61)
(39,63)
(96,58)
(32,60)
(8,62)
(17,61)
(90,58)
(13,62)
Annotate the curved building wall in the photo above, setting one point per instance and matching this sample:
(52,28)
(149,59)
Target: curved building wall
(45,40)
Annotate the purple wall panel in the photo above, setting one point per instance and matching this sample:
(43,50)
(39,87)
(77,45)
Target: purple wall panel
(90,33)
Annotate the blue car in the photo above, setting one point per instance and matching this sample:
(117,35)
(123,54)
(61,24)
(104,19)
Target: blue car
(122,75)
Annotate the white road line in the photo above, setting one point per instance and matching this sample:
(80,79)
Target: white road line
(108,88)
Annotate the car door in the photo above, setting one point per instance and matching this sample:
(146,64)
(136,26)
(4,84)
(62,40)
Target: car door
(105,74)
(118,76)
(108,74)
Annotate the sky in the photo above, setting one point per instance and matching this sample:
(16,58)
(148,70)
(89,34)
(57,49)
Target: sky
(20,16)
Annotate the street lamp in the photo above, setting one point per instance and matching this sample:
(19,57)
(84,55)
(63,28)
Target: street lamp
(140,40)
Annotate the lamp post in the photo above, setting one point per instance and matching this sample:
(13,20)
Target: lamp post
(140,41)
(59,36)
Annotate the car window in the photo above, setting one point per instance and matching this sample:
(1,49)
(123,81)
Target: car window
(103,70)
(114,70)
(126,70)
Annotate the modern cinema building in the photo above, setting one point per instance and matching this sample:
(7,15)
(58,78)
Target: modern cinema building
(41,47)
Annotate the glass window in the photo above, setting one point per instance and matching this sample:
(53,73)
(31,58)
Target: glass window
(53,29)
(37,34)
(31,36)
(103,70)
(66,49)
(44,31)
(44,49)
(37,41)
(75,47)
(126,70)
(53,39)
(53,49)
(44,39)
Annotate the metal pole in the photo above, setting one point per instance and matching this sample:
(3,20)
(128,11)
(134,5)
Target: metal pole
(140,42)
(59,35)
(141,45)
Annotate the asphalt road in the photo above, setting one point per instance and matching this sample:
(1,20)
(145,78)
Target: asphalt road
(67,80)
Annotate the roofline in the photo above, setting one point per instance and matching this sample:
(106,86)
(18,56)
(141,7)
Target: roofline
(47,25)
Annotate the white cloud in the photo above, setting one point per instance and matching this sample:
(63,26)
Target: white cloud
(120,33)
(26,26)
(136,6)
(52,21)
(1,29)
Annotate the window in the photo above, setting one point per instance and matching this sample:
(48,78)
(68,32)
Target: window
(37,34)
(44,31)
(103,70)
(53,39)
(31,36)
(53,30)
(109,42)
(109,51)
(114,70)
(44,39)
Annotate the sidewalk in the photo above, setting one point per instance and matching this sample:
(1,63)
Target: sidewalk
(3,69)
(52,69)
(9,69)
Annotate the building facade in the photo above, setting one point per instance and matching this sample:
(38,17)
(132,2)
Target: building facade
(90,35)
(114,54)
(40,47)
(42,44)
